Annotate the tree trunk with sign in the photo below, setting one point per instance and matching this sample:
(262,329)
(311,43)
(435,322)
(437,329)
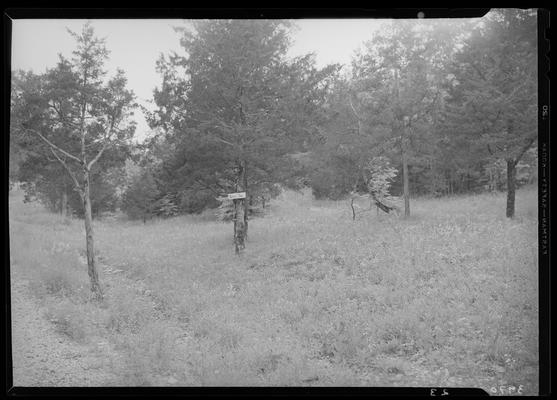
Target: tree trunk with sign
(239,225)
(240,210)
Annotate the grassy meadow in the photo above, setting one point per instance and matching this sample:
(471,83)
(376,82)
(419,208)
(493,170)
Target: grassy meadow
(447,297)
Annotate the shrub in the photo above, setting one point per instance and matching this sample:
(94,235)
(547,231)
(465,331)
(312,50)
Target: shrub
(167,206)
(381,174)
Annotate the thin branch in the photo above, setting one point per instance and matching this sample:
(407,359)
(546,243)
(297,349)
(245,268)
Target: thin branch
(99,154)
(224,141)
(105,144)
(353,108)
(75,181)
(62,117)
(358,118)
(480,73)
(508,97)
(528,144)
(53,146)
(206,186)
(223,125)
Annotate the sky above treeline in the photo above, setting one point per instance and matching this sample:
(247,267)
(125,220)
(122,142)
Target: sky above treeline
(135,45)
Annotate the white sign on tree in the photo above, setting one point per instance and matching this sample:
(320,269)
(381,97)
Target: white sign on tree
(239,195)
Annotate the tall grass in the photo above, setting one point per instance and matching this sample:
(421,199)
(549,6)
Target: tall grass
(446,296)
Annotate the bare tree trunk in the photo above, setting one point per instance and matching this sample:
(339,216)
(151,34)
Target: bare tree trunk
(239,227)
(89,238)
(240,218)
(511,187)
(247,200)
(402,127)
(406,188)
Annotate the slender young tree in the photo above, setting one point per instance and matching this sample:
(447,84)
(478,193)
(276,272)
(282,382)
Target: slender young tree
(79,117)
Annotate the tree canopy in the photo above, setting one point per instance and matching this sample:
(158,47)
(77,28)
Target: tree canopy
(451,105)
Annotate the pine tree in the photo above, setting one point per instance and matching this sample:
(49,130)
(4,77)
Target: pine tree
(240,108)
(493,102)
(76,117)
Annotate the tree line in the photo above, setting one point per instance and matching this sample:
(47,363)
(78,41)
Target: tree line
(444,107)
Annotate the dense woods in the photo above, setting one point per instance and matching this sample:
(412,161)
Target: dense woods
(450,105)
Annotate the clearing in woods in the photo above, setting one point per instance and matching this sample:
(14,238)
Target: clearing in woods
(448,297)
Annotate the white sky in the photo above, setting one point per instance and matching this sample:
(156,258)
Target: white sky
(136,44)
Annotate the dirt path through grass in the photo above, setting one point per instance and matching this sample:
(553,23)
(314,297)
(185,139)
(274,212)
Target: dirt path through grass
(42,356)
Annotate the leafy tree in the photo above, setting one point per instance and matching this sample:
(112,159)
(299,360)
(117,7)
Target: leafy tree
(45,179)
(236,107)
(380,174)
(397,89)
(337,162)
(493,103)
(78,117)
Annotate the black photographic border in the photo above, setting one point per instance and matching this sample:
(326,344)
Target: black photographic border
(35,11)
